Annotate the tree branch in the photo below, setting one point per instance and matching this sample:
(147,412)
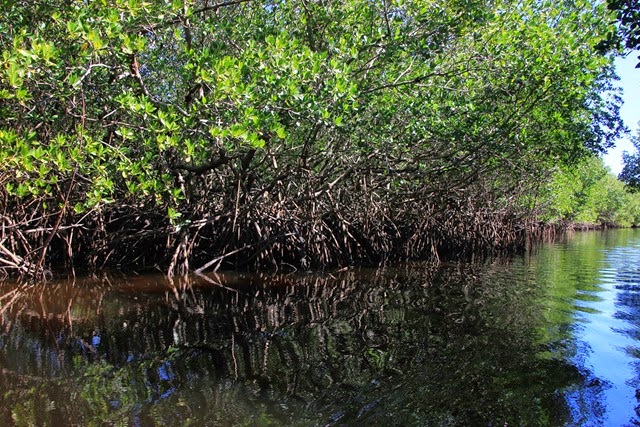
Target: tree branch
(220,5)
(204,167)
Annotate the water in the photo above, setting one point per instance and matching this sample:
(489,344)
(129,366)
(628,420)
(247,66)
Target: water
(549,338)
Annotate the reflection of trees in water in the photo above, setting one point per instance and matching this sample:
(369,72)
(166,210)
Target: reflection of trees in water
(627,279)
(628,302)
(445,346)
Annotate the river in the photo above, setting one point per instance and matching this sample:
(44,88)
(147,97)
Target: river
(550,337)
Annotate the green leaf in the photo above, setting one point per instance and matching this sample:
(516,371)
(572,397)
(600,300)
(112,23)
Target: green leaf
(173,214)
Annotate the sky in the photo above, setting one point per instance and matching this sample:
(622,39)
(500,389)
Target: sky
(630,111)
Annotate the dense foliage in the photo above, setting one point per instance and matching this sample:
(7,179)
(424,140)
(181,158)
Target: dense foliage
(630,174)
(627,34)
(191,134)
(587,194)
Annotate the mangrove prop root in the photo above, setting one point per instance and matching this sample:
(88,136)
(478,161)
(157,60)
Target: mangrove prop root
(277,238)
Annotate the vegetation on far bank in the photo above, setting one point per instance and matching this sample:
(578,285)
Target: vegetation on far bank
(588,195)
(189,135)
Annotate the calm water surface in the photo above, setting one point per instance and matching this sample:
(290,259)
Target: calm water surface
(549,338)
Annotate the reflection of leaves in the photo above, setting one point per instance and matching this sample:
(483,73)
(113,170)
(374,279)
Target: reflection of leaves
(106,393)
(627,283)
(463,349)
(376,358)
(259,420)
(23,413)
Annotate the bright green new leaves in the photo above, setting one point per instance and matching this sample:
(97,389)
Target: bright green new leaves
(185,103)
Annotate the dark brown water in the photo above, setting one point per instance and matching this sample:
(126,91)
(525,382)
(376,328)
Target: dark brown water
(550,338)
